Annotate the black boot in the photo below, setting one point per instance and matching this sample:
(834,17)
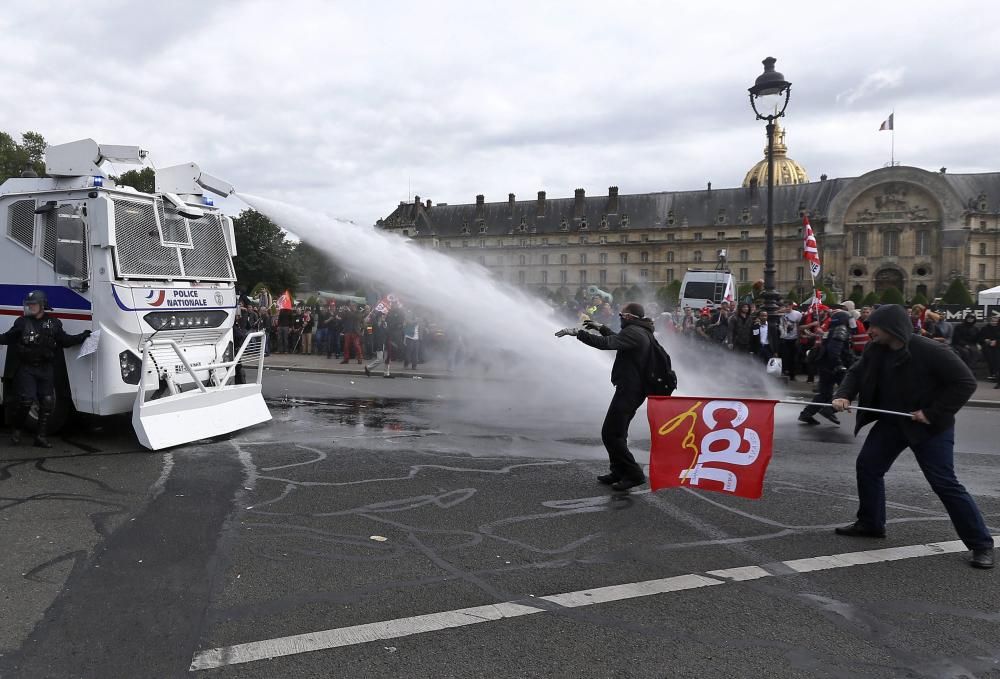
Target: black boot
(15,435)
(41,435)
(20,415)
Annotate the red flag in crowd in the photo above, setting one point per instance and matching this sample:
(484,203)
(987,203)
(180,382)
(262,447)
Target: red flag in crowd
(810,250)
(711,444)
(285,301)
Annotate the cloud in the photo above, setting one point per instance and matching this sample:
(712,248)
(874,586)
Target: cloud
(883,79)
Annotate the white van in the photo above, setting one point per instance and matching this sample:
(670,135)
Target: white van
(704,287)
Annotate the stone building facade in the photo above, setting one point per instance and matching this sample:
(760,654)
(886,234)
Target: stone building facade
(896,226)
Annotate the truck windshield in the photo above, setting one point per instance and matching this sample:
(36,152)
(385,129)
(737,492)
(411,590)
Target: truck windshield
(706,290)
(154,242)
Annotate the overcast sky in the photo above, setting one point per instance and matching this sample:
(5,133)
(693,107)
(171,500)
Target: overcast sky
(358,105)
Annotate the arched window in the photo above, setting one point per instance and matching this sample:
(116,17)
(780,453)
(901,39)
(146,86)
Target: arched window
(697,255)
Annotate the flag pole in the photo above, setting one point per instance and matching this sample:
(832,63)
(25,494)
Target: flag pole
(850,408)
(892,139)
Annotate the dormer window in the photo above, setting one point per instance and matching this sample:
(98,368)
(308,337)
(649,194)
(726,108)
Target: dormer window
(721,218)
(465,228)
(670,218)
(522,227)
(745,217)
(604,223)
(624,221)
(564,225)
(583,225)
(482,228)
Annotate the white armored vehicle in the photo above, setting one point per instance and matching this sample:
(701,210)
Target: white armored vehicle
(150,274)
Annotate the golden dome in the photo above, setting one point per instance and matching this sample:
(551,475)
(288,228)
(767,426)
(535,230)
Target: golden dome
(786,170)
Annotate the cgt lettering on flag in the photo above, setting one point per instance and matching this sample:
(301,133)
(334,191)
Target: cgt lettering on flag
(713,444)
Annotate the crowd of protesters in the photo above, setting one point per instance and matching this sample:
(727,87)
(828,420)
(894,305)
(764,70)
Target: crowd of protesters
(741,327)
(348,332)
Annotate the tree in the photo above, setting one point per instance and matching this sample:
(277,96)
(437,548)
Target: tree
(263,253)
(316,270)
(669,295)
(143,181)
(891,295)
(871,299)
(858,296)
(919,298)
(17,157)
(635,294)
(957,293)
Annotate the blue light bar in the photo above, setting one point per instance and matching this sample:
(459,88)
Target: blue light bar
(98,181)
(207,200)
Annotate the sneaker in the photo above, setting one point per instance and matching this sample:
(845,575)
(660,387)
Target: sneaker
(982,558)
(624,484)
(42,442)
(831,417)
(859,530)
(808,419)
(608,479)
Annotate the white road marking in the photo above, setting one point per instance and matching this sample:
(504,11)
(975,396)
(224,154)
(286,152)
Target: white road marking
(432,622)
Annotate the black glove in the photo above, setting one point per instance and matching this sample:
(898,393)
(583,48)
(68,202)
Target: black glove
(592,325)
(567,331)
(86,334)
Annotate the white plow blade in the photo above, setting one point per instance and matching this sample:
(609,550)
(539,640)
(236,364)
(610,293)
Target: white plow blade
(194,415)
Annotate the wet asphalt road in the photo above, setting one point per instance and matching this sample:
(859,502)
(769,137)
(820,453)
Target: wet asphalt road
(116,562)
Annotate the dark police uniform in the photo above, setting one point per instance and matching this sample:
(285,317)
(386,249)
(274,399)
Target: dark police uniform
(35,342)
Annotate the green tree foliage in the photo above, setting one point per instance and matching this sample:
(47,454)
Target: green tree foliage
(919,298)
(669,295)
(143,180)
(264,255)
(315,269)
(858,297)
(636,294)
(891,295)
(870,299)
(16,157)
(957,293)
(829,296)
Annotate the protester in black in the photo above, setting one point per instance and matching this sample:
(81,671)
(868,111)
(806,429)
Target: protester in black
(904,372)
(35,338)
(633,344)
(832,357)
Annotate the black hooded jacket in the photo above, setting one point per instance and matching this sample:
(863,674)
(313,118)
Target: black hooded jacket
(926,375)
(632,345)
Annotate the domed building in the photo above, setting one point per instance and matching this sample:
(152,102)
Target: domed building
(786,170)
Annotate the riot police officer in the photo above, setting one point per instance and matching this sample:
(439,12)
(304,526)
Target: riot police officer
(35,338)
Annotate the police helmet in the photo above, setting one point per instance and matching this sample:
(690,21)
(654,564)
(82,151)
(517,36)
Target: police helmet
(36,297)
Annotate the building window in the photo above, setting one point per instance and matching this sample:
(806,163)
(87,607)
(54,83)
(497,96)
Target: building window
(545,277)
(545,241)
(645,238)
(670,255)
(697,235)
(447,243)
(982,272)
(564,240)
(859,244)
(583,258)
(624,221)
(744,235)
(982,248)
(482,228)
(890,244)
(624,277)
(923,243)
(800,273)
(720,235)
(583,225)
(521,260)
(697,255)
(670,238)
(563,225)
(520,277)
(562,277)
(624,238)
(583,277)
(583,240)
(623,258)
(744,255)
(644,274)
(523,242)
(670,275)
(563,259)
(744,275)
(603,257)
(545,260)
(465,243)
(603,276)
(603,240)
(482,242)
(644,257)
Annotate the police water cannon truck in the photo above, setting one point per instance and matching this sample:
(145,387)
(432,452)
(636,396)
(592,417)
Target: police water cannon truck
(150,274)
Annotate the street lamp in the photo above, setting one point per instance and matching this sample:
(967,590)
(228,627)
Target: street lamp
(768,99)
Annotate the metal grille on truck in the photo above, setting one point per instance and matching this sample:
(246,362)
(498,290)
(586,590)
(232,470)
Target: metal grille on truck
(209,258)
(21,222)
(139,251)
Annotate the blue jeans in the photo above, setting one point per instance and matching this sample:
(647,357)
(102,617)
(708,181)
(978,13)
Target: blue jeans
(936,459)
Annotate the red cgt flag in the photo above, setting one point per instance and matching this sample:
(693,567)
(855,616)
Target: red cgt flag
(711,444)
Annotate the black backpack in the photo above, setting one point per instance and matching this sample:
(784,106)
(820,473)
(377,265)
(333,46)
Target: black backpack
(658,377)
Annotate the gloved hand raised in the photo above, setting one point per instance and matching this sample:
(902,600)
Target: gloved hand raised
(592,325)
(567,331)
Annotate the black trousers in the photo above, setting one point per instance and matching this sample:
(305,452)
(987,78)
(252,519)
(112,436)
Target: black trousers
(827,383)
(614,433)
(35,383)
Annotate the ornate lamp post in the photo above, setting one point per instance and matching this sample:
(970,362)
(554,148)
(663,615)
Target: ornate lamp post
(769,98)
